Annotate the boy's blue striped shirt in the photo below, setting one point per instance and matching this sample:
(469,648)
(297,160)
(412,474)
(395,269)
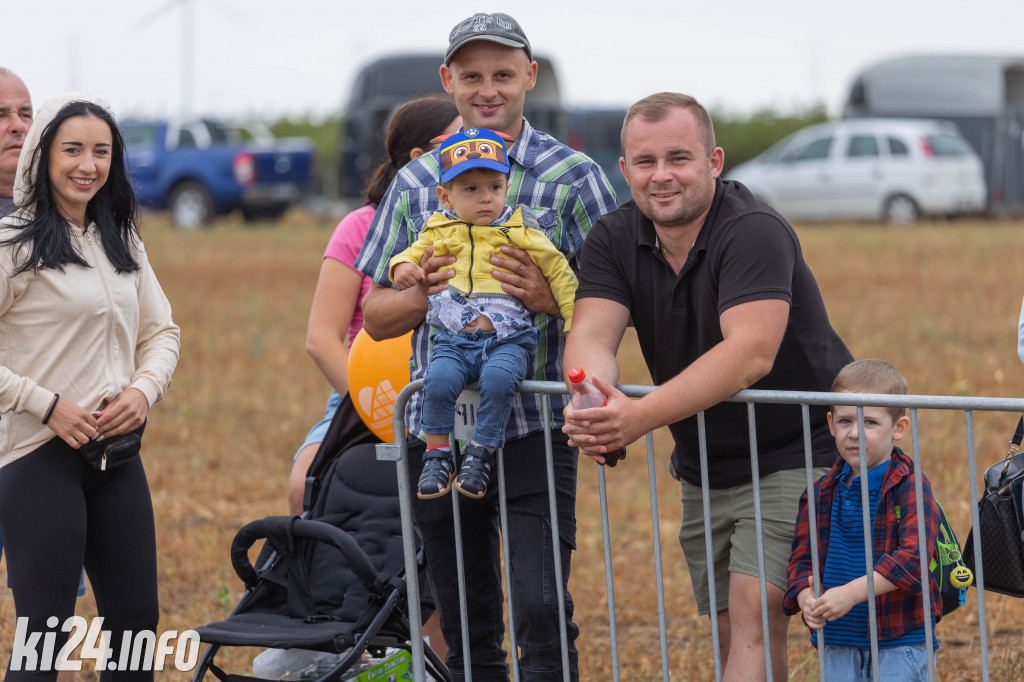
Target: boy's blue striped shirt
(846,560)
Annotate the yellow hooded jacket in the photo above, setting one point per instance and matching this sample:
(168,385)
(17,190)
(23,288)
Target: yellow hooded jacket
(473,246)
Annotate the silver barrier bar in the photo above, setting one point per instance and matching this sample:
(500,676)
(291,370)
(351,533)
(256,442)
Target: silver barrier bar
(979,569)
(398,452)
(865,512)
(503,520)
(460,561)
(869,400)
(709,550)
(556,537)
(762,586)
(656,535)
(812,527)
(609,584)
(922,548)
(934,402)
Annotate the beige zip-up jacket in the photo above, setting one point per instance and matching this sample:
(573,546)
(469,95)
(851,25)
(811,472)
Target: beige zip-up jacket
(86,333)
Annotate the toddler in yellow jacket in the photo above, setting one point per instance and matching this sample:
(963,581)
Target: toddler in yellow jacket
(480,333)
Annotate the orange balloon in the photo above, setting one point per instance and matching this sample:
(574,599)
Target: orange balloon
(377,372)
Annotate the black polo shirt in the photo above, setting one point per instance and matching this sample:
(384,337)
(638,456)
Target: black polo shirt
(744,252)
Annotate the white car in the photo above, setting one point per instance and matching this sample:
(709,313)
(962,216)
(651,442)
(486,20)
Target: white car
(894,170)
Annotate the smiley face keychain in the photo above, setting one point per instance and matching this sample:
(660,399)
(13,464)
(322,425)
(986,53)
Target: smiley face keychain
(961,578)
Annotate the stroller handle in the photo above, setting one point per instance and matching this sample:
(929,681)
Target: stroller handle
(282,531)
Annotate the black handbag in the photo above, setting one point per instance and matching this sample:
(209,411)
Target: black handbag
(1001,523)
(113,451)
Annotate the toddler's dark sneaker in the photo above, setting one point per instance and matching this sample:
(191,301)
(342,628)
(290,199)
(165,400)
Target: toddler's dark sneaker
(475,473)
(438,471)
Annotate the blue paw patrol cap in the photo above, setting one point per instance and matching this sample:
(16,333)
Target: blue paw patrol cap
(473,148)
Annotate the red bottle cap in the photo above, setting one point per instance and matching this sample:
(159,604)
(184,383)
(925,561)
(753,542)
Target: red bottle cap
(576,375)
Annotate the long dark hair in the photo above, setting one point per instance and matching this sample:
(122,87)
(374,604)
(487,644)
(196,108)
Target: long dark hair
(414,124)
(113,208)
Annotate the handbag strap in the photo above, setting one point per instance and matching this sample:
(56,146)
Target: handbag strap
(1012,451)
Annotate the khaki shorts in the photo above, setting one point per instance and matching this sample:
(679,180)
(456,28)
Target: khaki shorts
(734,542)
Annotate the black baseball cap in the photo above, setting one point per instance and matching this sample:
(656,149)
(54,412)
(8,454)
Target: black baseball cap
(497,28)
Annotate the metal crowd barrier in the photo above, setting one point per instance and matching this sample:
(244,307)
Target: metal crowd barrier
(968,405)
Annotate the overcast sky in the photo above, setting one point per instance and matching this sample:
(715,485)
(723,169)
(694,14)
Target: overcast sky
(271,57)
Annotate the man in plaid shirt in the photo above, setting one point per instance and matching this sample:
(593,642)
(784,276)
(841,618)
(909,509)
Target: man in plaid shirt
(488,69)
(841,610)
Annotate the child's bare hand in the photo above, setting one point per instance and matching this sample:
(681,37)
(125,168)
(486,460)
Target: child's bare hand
(407,275)
(438,269)
(808,602)
(835,603)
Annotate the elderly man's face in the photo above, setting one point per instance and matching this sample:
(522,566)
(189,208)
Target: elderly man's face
(15,119)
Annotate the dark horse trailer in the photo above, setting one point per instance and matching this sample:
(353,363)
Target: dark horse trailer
(982,95)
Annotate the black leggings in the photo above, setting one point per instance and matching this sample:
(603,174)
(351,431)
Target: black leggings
(56,514)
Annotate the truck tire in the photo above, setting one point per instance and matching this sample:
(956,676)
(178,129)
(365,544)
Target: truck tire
(190,205)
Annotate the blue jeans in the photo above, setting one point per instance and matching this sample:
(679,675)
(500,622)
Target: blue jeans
(531,558)
(896,664)
(497,365)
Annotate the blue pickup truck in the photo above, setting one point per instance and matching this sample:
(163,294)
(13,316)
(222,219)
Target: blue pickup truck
(201,168)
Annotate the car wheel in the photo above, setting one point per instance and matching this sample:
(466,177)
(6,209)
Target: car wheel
(190,205)
(900,210)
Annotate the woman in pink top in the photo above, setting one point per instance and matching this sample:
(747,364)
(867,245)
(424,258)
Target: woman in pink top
(336,315)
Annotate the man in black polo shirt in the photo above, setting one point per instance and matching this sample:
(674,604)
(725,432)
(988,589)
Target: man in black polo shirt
(721,298)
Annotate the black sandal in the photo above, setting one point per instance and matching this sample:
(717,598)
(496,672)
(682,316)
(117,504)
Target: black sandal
(475,473)
(436,478)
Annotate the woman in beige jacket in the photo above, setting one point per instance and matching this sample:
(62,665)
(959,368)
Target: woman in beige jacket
(87,346)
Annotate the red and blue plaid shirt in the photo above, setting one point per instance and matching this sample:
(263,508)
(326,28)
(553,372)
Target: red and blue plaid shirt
(894,545)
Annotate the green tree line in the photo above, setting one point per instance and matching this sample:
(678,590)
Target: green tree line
(743,136)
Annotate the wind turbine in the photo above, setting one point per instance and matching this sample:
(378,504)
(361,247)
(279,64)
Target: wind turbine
(188,16)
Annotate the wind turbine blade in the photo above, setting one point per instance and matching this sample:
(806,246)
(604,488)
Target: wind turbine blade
(228,11)
(155,14)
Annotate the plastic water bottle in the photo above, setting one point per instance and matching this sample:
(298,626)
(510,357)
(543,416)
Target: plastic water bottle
(586,395)
(299,665)
(289,664)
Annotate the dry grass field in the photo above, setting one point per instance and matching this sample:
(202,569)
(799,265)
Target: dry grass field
(940,300)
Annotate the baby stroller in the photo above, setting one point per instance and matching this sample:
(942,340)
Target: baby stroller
(332,580)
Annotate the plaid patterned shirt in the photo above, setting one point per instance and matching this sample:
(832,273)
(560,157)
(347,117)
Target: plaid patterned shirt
(894,546)
(567,192)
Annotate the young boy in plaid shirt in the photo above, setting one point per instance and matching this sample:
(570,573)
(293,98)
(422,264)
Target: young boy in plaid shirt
(841,611)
